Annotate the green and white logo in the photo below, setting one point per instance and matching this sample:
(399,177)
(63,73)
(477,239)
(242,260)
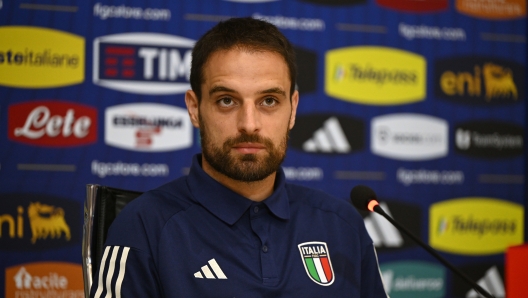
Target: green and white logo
(316,260)
(413,279)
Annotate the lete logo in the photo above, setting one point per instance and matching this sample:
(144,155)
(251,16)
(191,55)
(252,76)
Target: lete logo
(52,123)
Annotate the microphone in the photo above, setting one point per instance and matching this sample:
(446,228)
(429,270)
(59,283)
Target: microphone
(364,199)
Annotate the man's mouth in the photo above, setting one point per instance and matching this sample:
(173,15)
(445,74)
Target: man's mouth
(249,148)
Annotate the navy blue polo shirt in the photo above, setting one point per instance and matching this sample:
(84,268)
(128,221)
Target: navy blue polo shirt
(193,237)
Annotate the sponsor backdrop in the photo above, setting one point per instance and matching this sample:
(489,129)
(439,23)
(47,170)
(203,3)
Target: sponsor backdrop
(423,101)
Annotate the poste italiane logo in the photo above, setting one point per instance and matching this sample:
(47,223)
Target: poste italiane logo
(316,260)
(492,9)
(44,279)
(475,226)
(375,75)
(32,57)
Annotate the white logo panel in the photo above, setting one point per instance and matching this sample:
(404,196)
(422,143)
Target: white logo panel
(148,127)
(411,137)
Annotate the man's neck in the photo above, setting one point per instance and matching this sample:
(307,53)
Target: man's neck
(255,191)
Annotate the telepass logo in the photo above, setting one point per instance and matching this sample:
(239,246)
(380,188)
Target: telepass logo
(316,260)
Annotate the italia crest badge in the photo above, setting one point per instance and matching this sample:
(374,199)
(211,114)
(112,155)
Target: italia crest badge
(316,259)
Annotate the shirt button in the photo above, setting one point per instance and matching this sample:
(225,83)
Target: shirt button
(264,248)
(256,209)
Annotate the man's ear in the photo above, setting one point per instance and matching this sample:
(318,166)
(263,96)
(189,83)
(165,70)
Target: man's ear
(294,103)
(191,100)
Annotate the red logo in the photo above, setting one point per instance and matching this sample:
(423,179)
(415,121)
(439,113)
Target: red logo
(52,123)
(415,5)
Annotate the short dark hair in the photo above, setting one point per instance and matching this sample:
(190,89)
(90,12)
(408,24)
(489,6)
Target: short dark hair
(244,33)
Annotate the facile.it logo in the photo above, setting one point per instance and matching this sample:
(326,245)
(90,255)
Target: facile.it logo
(328,134)
(143,63)
(52,123)
(489,139)
(492,9)
(44,279)
(479,80)
(415,6)
(148,127)
(33,57)
(405,279)
(475,226)
(36,222)
(375,75)
(409,136)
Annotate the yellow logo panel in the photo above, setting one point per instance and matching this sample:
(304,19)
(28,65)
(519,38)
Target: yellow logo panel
(375,75)
(475,226)
(33,57)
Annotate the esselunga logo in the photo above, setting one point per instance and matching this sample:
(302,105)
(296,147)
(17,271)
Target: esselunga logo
(34,57)
(492,9)
(44,279)
(375,75)
(475,225)
(404,279)
(33,222)
(148,127)
(409,136)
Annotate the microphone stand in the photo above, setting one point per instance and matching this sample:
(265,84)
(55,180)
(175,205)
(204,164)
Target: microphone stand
(474,285)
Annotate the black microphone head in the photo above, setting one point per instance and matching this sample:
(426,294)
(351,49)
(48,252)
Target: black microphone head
(361,196)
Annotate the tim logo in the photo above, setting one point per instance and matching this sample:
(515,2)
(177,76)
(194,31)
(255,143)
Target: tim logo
(479,80)
(36,222)
(144,63)
(52,123)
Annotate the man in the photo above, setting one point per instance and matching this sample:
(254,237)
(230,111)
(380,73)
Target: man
(233,227)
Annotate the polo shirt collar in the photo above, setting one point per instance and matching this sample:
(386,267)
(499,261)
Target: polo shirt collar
(225,203)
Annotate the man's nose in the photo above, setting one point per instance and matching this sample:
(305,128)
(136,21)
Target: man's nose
(249,120)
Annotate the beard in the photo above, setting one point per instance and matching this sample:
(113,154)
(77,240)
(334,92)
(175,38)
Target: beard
(247,167)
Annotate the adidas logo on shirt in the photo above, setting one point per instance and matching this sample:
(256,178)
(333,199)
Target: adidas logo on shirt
(382,232)
(206,270)
(491,282)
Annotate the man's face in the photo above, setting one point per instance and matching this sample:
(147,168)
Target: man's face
(245,113)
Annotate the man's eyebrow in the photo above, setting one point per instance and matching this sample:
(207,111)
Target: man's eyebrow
(273,90)
(219,89)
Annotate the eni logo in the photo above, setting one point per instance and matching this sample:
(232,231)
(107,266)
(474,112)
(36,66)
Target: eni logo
(475,226)
(33,57)
(47,221)
(375,75)
(497,79)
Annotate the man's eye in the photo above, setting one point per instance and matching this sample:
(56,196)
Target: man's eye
(226,101)
(270,101)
